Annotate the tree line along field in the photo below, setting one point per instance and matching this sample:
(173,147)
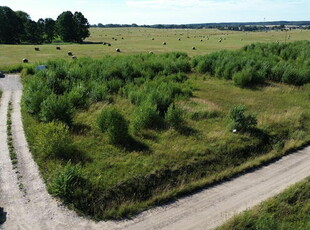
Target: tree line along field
(139,40)
(116,135)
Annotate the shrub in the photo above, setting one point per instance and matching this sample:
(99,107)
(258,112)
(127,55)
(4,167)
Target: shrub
(57,108)
(114,124)
(99,92)
(114,85)
(78,96)
(145,116)
(174,116)
(54,141)
(67,181)
(27,70)
(34,94)
(240,121)
(243,78)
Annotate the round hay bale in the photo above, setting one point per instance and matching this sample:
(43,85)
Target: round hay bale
(70,53)
(37,49)
(201,40)
(118,50)
(153,39)
(193,48)
(25,60)
(164,43)
(57,47)
(115,39)
(109,44)
(179,39)
(73,57)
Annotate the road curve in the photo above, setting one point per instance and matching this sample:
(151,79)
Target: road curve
(35,209)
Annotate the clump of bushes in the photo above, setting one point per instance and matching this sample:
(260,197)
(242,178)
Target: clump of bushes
(66,182)
(112,122)
(257,63)
(146,116)
(54,93)
(57,108)
(173,116)
(239,121)
(54,141)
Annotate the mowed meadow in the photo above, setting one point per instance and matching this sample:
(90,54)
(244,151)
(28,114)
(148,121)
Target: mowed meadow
(139,40)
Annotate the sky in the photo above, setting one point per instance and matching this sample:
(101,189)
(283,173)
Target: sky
(167,11)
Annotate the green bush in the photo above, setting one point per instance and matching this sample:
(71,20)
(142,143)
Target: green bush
(99,92)
(114,124)
(239,120)
(54,141)
(255,63)
(243,78)
(174,116)
(145,116)
(35,93)
(78,96)
(67,182)
(28,70)
(57,108)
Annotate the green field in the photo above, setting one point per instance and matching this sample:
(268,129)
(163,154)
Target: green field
(179,123)
(287,211)
(172,132)
(138,40)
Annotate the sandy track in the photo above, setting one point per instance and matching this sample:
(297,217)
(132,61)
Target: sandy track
(37,210)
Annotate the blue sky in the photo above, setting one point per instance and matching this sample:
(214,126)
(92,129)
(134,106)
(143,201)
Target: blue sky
(167,11)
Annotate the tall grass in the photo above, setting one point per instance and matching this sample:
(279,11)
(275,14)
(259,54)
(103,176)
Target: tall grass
(288,210)
(257,63)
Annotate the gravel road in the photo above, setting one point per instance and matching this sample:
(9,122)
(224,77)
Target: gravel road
(35,209)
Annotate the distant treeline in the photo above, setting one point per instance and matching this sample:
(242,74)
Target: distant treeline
(17,27)
(243,26)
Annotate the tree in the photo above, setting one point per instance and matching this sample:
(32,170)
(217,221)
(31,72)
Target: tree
(10,26)
(33,33)
(72,28)
(66,26)
(82,26)
(49,29)
(24,18)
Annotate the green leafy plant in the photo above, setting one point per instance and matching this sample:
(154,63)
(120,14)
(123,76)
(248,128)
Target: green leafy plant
(174,116)
(114,124)
(66,182)
(239,121)
(145,116)
(57,108)
(54,141)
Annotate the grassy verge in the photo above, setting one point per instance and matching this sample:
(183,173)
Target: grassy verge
(11,147)
(288,210)
(164,153)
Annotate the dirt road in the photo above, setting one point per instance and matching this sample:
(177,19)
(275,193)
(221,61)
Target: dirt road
(35,209)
